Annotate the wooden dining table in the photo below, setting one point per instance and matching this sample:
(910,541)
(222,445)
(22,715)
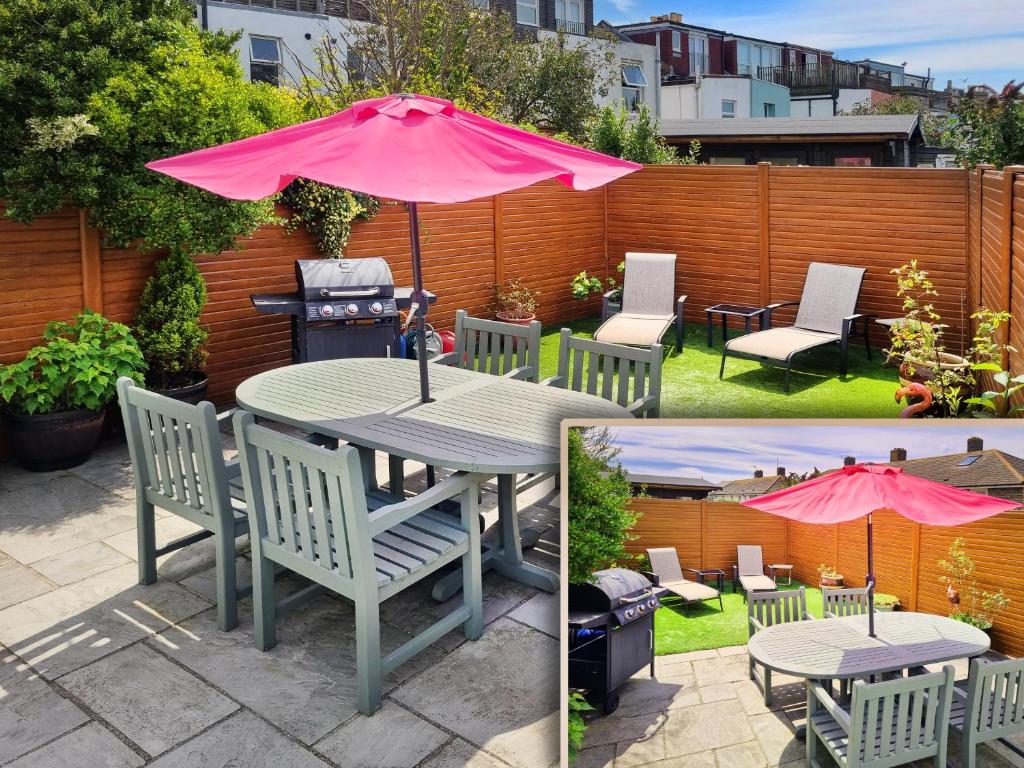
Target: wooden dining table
(476,422)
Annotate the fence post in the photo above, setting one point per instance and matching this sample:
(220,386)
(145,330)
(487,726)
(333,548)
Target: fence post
(92,264)
(980,170)
(499,239)
(915,563)
(1006,252)
(703,533)
(764,234)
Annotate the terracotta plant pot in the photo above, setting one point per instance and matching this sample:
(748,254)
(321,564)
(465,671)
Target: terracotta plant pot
(50,441)
(924,371)
(515,320)
(836,581)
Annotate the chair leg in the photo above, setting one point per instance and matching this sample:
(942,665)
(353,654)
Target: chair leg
(227,587)
(767,687)
(788,369)
(396,475)
(721,370)
(968,751)
(472,588)
(263,603)
(368,664)
(146,532)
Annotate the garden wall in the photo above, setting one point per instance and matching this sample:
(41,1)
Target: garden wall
(906,553)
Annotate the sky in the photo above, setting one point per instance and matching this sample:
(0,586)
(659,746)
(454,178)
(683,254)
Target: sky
(718,453)
(966,41)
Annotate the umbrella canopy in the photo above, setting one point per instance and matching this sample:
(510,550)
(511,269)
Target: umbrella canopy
(402,147)
(859,490)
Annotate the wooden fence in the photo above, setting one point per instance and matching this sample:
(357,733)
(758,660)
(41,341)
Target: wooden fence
(906,553)
(743,234)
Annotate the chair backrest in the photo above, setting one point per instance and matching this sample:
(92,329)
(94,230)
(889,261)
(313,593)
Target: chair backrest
(899,721)
(612,371)
(176,452)
(749,560)
(665,564)
(781,607)
(307,503)
(846,602)
(494,347)
(649,284)
(830,294)
(995,699)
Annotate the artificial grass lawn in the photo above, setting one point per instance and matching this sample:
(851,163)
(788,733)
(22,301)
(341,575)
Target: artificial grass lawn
(703,626)
(691,388)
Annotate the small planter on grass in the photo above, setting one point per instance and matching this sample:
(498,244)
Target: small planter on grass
(885,603)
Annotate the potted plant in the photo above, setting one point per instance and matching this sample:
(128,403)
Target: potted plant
(54,398)
(167,326)
(968,602)
(829,576)
(584,285)
(885,603)
(514,302)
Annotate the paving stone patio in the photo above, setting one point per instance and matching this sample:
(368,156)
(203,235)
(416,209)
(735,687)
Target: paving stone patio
(703,711)
(99,672)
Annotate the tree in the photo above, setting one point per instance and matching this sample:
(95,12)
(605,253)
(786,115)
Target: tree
(131,81)
(989,130)
(599,494)
(637,137)
(932,126)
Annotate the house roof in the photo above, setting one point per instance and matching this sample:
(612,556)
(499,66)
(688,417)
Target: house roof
(993,468)
(751,485)
(842,127)
(675,481)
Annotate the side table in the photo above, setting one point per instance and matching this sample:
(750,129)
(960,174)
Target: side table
(786,568)
(719,575)
(724,311)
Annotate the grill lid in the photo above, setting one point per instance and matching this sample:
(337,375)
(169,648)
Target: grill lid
(610,589)
(366,278)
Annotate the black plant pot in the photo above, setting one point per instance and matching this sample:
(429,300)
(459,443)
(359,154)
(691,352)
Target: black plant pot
(191,388)
(50,441)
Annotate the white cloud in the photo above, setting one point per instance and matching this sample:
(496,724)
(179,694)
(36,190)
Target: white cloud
(965,56)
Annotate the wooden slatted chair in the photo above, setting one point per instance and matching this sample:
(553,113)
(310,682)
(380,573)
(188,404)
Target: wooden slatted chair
(490,346)
(992,707)
(845,602)
(629,376)
(892,723)
(766,609)
(313,514)
(178,464)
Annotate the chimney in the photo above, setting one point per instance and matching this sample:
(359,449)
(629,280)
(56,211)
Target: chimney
(676,17)
(849,461)
(898,454)
(780,471)
(758,473)
(975,444)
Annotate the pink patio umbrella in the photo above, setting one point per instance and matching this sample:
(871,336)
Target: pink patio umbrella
(406,147)
(862,489)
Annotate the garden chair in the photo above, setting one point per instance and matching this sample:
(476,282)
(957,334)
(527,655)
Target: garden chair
(490,346)
(667,573)
(825,315)
(766,609)
(992,707)
(748,571)
(179,466)
(891,723)
(649,305)
(628,376)
(313,515)
(845,602)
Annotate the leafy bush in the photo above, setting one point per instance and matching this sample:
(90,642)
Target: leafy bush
(167,321)
(968,602)
(989,130)
(77,367)
(632,137)
(577,727)
(883,599)
(599,515)
(513,300)
(326,212)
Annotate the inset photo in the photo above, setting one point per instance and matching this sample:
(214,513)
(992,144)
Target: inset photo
(779,593)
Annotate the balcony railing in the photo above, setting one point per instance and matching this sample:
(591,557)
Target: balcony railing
(571,27)
(807,79)
(302,6)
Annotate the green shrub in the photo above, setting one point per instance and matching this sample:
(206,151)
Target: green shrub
(327,213)
(167,323)
(77,367)
(577,727)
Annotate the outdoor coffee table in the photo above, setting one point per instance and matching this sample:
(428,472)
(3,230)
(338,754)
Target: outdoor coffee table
(787,568)
(724,311)
(840,649)
(716,573)
(476,423)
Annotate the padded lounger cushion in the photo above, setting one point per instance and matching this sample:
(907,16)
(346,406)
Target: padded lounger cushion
(691,591)
(756,583)
(633,330)
(779,343)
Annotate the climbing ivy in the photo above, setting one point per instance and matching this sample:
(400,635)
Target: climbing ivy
(326,212)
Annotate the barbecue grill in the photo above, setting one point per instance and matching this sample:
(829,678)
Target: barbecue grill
(611,632)
(342,308)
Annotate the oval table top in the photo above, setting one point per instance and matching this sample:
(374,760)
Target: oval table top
(477,423)
(825,649)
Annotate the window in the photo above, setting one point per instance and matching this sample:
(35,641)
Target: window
(728,161)
(853,162)
(527,13)
(633,75)
(568,10)
(787,161)
(792,57)
(632,98)
(743,58)
(728,108)
(966,461)
(810,60)
(769,109)
(265,60)
(677,41)
(698,54)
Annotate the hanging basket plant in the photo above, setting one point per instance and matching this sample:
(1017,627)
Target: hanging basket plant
(327,213)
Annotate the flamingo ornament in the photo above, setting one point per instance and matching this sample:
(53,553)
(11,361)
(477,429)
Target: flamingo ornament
(914,390)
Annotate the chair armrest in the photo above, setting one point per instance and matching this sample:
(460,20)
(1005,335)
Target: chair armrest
(393,514)
(680,301)
(644,404)
(757,625)
(735,576)
(608,294)
(828,615)
(448,358)
(830,705)
(522,373)
(780,304)
(691,570)
(652,577)
(553,381)
(227,416)
(767,314)
(851,320)
(807,617)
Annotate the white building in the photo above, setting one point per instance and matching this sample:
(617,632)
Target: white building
(724,96)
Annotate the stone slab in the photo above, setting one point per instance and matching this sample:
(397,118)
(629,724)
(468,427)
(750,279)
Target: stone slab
(77,564)
(542,611)
(687,730)
(459,754)
(91,746)
(392,738)
(19,582)
(152,701)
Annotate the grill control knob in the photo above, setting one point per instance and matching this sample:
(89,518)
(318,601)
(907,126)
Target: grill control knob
(376,308)
(327,310)
(629,613)
(351,309)
(651,602)
(641,608)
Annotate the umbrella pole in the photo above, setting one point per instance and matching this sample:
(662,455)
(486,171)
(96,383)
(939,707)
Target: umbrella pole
(419,297)
(870,579)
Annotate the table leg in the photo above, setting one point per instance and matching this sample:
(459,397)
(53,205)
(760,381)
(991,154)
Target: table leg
(711,341)
(725,328)
(368,463)
(746,324)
